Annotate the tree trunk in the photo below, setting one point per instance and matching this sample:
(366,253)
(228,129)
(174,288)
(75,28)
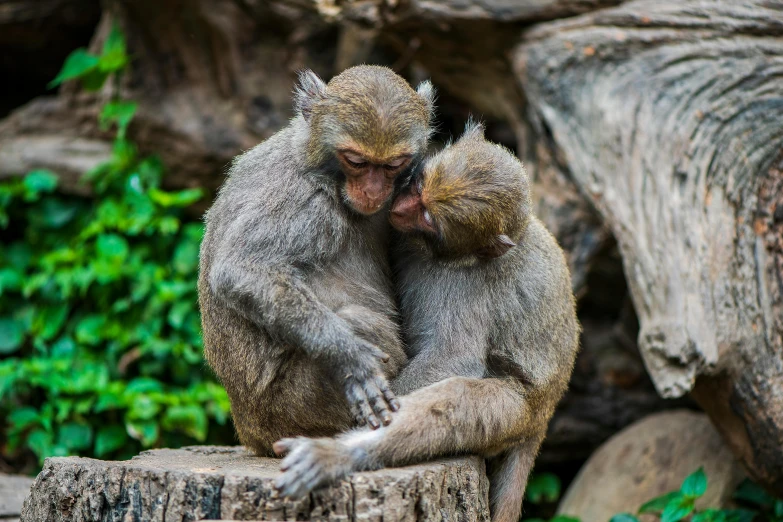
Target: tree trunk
(668,116)
(209,482)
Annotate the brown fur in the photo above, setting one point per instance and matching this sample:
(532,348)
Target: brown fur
(491,330)
(294,280)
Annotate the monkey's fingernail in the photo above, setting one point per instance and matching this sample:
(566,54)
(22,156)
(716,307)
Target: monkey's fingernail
(395,404)
(374,423)
(385,357)
(386,420)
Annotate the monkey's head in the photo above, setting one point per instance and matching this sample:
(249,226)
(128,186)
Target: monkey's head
(470,199)
(366,126)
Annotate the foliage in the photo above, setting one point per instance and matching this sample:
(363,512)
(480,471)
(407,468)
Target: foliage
(543,487)
(100,342)
(679,505)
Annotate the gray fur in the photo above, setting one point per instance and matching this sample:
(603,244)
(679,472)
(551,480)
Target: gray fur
(492,345)
(295,290)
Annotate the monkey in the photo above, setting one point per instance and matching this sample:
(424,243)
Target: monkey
(298,310)
(489,317)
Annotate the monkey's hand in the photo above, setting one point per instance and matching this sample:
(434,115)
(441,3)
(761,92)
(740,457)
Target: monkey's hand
(367,389)
(312,463)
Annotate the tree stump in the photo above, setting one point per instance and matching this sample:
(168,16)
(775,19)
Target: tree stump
(229,483)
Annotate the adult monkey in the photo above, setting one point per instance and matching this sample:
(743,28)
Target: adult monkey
(294,286)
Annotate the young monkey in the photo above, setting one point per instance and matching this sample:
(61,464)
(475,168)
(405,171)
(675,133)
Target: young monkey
(490,321)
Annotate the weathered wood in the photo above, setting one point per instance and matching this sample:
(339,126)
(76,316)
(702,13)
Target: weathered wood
(13,490)
(211,482)
(207,86)
(668,116)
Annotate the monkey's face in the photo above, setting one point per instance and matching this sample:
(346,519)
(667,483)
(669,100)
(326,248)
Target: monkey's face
(470,199)
(365,127)
(369,181)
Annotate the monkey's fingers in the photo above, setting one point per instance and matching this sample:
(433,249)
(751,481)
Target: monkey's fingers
(394,404)
(376,394)
(360,405)
(283,446)
(372,350)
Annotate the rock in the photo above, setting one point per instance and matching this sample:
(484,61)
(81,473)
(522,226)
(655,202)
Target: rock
(13,490)
(211,482)
(650,458)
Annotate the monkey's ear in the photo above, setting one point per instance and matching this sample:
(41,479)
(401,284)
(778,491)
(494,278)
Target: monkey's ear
(310,90)
(499,246)
(427,91)
(473,129)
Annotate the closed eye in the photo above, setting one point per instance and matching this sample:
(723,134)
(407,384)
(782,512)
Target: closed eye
(356,164)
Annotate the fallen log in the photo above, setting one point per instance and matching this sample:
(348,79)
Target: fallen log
(668,116)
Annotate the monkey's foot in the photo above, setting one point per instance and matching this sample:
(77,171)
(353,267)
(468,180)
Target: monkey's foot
(311,463)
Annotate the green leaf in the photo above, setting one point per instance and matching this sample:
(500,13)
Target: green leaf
(90,329)
(11,335)
(78,63)
(75,436)
(181,198)
(10,279)
(112,247)
(143,385)
(564,518)
(23,418)
(55,213)
(39,181)
(145,431)
(178,313)
(109,439)
(543,487)
(753,494)
(114,57)
(120,113)
(709,515)
(191,420)
(677,509)
(658,504)
(41,443)
(94,80)
(143,407)
(49,321)
(739,515)
(694,484)
(624,517)
(778,509)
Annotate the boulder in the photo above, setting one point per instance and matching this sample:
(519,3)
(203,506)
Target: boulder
(649,458)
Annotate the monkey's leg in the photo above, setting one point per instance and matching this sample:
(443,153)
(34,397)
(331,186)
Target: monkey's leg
(456,416)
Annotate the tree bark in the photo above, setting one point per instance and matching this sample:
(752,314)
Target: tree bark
(209,482)
(668,116)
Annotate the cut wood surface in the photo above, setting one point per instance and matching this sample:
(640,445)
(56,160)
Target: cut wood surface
(668,116)
(212,482)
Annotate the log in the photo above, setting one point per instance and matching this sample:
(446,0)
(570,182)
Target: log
(668,115)
(214,482)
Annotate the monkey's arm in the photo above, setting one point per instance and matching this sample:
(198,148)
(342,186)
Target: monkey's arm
(459,415)
(275,298)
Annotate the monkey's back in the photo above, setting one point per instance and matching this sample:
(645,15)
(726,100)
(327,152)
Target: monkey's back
(268,214)
(513,316)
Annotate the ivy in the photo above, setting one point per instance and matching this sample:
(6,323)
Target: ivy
(100,341)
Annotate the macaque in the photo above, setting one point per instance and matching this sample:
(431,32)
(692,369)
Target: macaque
(298,310)
(489,318)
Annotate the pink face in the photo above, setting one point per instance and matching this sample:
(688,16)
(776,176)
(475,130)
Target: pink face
(409,213)
(369,184)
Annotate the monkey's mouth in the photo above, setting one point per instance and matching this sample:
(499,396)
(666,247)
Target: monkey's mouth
(357,199)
